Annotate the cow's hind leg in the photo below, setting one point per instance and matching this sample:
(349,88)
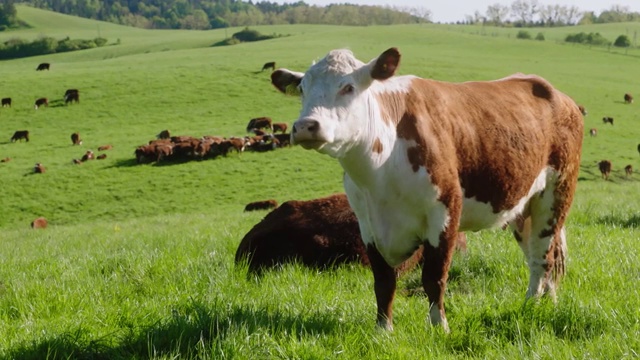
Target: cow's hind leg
(384,277)
(546,248)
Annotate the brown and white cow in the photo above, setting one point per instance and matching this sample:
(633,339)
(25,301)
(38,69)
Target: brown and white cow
(71,95)
(39,169)
(426,159)
(259,123)
(628,170)
(282,127)
(40,102)
(628,99)
(593,132)
(105,147)
(583,110)
(164,134)
(75,139)
(605,168)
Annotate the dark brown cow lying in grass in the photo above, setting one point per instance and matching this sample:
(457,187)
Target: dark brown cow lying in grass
(39,223)
(261,205)
(425,160)
(318,233)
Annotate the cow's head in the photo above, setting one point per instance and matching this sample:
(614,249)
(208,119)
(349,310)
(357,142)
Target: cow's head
(336,104)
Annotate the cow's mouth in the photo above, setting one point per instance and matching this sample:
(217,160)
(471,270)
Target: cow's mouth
(311,144)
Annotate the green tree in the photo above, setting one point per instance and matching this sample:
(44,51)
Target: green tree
(622,41)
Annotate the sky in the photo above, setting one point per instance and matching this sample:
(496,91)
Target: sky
(456,10)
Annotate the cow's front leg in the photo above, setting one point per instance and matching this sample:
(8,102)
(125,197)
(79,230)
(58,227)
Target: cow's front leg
(384,278)
(438,253)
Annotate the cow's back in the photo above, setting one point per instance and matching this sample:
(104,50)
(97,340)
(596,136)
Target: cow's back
(491,127)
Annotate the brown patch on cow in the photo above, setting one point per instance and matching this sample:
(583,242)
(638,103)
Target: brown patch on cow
(542,90)
(39,223)
(451,122)
(546,233)
(377,146)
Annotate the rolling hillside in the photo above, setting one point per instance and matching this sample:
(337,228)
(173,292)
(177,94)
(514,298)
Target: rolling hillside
(138,260)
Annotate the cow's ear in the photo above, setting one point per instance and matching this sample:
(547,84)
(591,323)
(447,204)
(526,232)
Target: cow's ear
(386,64)
(286,81)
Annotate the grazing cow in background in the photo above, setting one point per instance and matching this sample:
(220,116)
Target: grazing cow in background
(259,123)
(6,102)
(425,160)
(105,147)
(593,132)
(628,170)
(77,161)
(75,139)
(283,139)
(607,119)
(605,168)
(39,223)
(43,66)
(4,160)
(282,127)
(71,95)
(270,65)
(628,99)
(101,156)
(320,233)
(164,134)
(41,101)
(583,110)
(261,205)
(638,148)
(88,156)
(39,169)
(19,135)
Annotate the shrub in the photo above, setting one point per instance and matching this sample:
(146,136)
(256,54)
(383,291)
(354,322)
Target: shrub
(622,41)
(523,34)
(540,37)
(584,38)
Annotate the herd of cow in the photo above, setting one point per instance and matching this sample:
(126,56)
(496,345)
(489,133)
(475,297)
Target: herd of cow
(605,166)
(267,136)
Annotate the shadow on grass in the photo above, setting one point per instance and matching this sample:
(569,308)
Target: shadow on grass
(124,163)
(189,329)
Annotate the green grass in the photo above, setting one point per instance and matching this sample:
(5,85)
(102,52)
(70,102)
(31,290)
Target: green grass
(138,259)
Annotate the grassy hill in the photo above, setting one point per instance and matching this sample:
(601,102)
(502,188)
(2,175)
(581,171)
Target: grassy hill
(138,260)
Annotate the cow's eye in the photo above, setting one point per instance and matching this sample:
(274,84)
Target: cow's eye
(347,89)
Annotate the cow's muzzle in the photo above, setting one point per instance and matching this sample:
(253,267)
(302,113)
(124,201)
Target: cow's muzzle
(305,133)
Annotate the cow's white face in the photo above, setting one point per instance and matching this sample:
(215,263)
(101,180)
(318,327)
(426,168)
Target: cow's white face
(336,104)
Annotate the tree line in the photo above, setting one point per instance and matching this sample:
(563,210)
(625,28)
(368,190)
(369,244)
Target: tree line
(212,14)
(531,13)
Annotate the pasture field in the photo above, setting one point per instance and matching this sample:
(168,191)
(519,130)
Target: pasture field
(138,259)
